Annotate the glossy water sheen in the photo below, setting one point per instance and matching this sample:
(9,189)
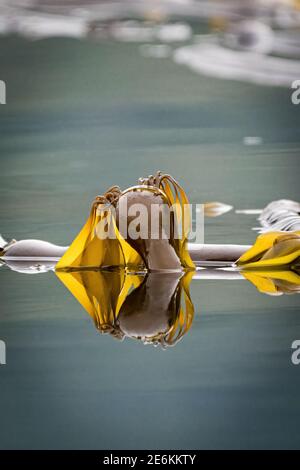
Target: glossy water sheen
(80,117)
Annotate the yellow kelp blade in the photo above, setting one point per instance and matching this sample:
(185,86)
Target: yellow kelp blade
(274,282)
(98,244)
(178,199)
(100,293)
(272,249)
(132,260)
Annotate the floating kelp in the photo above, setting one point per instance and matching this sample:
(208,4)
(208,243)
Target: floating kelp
(107,242)
(273,249)
(282,215)
(101,242)
(91,249)
(154,308)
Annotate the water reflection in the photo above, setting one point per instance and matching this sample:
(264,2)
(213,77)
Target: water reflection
(155,308)
(275,282)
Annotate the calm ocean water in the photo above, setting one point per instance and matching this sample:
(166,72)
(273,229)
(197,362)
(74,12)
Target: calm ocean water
(80,117)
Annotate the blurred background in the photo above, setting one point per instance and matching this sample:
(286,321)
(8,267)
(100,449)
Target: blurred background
(104,92)
(101,93)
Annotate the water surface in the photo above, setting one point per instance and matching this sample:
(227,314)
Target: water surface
(80,117)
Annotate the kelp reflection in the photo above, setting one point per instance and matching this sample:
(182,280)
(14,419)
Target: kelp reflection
(155,308)
(274,282)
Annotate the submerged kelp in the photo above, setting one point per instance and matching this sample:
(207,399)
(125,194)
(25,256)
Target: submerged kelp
(155,308)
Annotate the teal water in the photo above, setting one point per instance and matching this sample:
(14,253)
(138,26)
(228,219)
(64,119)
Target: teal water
(80,117)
